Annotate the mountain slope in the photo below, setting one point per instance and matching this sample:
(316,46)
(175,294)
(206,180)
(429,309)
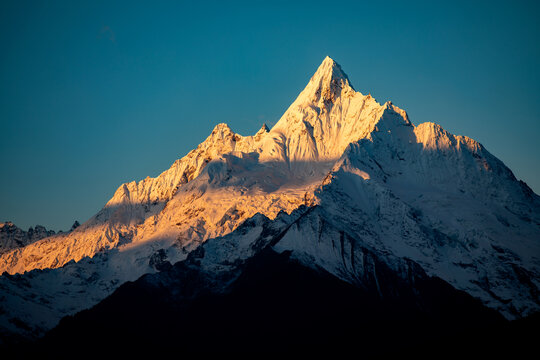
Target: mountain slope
(12,237)
(239,294)
(132,204)
(377,186)
(446,203)
(289,159)
(275,305)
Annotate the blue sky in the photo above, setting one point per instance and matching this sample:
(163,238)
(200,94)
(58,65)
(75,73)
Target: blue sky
(94,94)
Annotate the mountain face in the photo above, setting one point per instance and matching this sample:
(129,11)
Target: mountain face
(345,188)
(270,303)
(12,237)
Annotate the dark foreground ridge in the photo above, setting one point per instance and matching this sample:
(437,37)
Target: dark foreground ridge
(278,305)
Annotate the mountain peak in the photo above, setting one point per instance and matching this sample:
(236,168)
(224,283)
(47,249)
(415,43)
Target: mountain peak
(341,184)
(329,72)
(326,116)
(328,82)
(222,127)
(221,131)
(262,131)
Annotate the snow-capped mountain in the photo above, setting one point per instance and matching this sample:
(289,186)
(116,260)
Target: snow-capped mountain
(339,181)
(13,237)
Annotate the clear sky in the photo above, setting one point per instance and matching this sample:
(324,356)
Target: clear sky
(94,94)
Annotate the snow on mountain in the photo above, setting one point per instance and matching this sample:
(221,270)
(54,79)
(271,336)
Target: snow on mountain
(376,184)
(327,116)
(440,200)
(297,152)
(12,237)
(130,206)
